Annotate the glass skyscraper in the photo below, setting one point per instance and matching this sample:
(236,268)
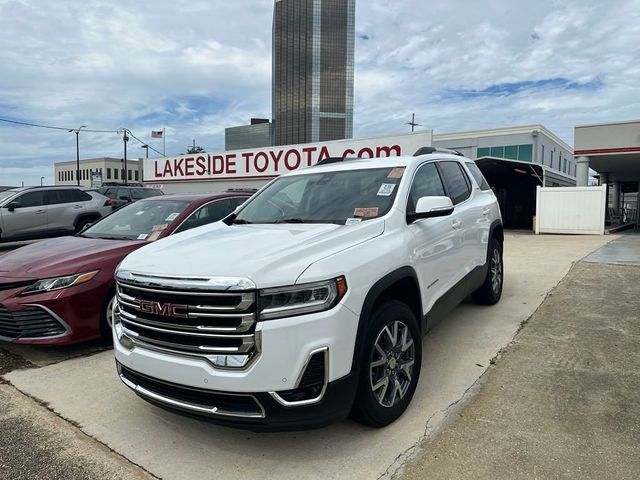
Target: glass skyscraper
(313,48)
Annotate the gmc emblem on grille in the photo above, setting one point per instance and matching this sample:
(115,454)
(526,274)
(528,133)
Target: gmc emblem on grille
(164,309)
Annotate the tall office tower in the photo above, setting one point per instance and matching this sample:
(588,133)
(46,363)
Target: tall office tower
(313,47)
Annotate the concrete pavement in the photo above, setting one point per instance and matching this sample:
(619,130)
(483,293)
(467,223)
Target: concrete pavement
(87,392)
(562,401)
(37,444)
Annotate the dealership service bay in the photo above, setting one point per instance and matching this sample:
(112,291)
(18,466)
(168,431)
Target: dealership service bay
(87,392)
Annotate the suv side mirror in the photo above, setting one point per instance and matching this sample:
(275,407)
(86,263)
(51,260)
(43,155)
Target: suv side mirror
(13,205)
(428,207)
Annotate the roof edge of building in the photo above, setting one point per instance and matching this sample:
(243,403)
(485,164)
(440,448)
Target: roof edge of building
(502,131)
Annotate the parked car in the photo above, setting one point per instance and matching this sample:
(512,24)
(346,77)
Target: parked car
(35,212)
(310,302)
(123,194)
(60,291)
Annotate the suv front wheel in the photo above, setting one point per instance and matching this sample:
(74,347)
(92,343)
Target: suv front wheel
(391,366)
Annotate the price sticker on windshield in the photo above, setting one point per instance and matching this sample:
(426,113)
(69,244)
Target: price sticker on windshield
(396,172)
(386,189)
(368,212)
(353,221)
(172,217)
(159,228)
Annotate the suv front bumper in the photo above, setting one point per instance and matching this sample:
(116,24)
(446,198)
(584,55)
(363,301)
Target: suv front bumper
(249,397)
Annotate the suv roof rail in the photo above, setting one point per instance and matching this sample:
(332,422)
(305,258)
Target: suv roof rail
(241,190)
(429,150)
(326,161)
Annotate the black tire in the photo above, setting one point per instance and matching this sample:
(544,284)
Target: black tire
(83,222)
(369,405)
(105,326)
(491,290)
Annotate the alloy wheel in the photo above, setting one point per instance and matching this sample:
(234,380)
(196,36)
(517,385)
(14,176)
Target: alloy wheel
(109,313)
(496,271)
(392,362)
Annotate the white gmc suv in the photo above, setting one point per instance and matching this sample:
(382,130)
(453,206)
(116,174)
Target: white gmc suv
(309,303)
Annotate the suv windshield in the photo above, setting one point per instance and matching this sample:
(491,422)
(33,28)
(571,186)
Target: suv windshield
(143,220)
(343,196)
(7,194)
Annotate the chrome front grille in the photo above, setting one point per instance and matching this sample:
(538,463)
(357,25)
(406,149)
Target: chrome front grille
(190,320)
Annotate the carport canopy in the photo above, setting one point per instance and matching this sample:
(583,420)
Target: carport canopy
(514,182)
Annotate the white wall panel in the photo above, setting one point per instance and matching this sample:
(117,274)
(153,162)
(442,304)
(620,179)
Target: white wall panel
(572,210)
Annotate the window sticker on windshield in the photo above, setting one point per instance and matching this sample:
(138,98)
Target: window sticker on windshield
(159,228)
(386,189)
(154,236)
(352,221)
(142,236)
(172,217)
(366,212)
(396,172)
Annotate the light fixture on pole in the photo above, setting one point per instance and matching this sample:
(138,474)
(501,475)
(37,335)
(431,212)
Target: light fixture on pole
(125,139)
(41,180)
(77,132)
(146,147)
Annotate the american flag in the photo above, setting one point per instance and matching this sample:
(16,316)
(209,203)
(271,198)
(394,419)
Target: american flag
(156,133)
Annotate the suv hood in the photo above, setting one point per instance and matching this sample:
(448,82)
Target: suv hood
(269,255)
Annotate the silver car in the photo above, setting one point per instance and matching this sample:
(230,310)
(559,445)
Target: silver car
(34,212)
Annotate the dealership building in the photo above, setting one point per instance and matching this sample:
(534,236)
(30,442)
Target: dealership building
(95,171)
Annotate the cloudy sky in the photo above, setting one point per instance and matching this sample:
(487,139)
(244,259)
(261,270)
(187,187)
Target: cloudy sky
(196,66)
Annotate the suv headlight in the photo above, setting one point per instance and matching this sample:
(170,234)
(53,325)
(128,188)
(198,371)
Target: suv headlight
(301,299)
(58,283)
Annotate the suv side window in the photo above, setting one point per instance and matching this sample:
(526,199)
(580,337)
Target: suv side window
(53,197)
(426,183)
(455,179)
(74,196)
(477,175)
(209,213)
(31,199)
(138,193)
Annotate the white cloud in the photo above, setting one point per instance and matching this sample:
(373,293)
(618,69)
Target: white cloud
(196,66)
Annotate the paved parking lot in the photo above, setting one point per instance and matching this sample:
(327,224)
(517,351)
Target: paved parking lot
(86,391)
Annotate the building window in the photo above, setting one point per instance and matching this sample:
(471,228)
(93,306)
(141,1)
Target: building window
(137,175)
(129,174)
(115,174)
(497,152)
(483,152)
(551,164)
(511,152)
(108,174)
(542,156)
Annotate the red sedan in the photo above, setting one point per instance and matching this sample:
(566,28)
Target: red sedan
(60,291)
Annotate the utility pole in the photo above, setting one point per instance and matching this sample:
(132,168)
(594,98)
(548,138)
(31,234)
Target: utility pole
(413,123)
(77,132)
(125,139)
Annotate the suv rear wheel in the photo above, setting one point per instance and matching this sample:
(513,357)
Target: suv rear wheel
(491,290)
(391,367)
(82,223)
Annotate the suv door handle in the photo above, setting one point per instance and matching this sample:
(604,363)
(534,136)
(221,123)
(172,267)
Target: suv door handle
(486,211)
(456,224)
(39,212)
(77,206)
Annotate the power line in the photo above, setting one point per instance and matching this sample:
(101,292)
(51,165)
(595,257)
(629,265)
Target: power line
(32,124)
(27,124)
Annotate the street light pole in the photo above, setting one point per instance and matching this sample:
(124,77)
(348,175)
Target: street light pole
(41,180)
(77,132)
(125,139)
(146,147)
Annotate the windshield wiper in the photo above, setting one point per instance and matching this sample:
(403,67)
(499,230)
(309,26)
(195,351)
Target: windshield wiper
(292,220)
(239,221)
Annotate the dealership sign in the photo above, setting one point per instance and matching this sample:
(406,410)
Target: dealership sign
(273,161)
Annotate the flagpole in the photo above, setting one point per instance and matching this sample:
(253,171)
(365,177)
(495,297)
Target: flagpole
(164,143)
